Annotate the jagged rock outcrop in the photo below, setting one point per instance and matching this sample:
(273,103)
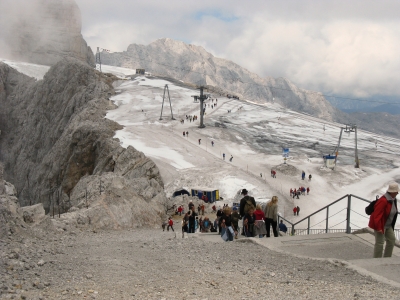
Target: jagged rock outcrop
(56,144)
(194,64)
(42,31)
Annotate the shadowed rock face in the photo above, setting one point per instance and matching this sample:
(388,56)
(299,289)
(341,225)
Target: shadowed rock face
(42,31)
(55,141)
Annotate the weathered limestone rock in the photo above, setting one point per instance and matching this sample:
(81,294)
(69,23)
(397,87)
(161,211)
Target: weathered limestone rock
(32,213)
(44,32)
(2,187)
(56,145)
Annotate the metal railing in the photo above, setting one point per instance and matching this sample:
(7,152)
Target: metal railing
(293,230)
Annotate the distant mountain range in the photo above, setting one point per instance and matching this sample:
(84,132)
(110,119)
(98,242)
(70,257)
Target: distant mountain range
(193,64)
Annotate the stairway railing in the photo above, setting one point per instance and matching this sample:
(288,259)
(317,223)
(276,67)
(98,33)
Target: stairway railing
(329,229)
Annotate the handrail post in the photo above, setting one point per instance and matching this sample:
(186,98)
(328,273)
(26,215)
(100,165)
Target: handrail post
(327,218)
(293,229)
(308,226)
(348,228)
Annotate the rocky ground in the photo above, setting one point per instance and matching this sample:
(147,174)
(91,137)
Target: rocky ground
(152,264)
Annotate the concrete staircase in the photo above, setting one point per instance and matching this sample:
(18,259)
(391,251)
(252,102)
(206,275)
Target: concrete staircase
(355,251)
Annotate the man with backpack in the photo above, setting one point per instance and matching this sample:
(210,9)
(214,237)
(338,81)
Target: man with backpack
(383,220)
(246,203)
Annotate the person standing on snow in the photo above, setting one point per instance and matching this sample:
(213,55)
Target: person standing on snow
(223,156)
(298,210)
(199,141)
(231,158)
(170,224)
(294,210)
(303,175)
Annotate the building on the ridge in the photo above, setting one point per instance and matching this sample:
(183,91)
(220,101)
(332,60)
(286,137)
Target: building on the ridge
(140,71)
(212,194)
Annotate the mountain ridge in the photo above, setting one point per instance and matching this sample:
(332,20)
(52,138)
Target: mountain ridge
(193,64)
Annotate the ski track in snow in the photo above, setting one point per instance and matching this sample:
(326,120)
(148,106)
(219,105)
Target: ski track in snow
(254,135)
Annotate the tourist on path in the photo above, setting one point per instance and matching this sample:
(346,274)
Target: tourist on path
(298,210)
(282,227)
(185,224)
(259,224)
(248,223)
(294,210)
(235,220)
(170,224)
(226,224)
(271,216)
(192,220)
(383,220)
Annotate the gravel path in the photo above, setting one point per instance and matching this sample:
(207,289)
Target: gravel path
(151,264)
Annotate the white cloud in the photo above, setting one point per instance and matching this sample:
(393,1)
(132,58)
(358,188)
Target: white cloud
(340,47)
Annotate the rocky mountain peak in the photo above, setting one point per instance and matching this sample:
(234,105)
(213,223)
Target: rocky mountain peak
(43,31)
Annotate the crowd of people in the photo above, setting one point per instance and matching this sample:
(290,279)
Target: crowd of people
(300,191)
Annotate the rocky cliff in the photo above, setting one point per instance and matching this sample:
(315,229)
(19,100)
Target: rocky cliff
(42,31)
(58,149)
(194,64)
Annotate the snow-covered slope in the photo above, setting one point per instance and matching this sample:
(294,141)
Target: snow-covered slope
(193,64)
(254,134)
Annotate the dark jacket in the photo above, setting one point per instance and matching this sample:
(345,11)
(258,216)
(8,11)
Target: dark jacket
(243,203)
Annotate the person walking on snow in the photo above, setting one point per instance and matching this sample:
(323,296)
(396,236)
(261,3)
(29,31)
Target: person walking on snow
(297,210)
(309,177)
(308,190)
(170,224)
(187,133)
(231,158)
(223,156)
(212,143)
(199,141)
(294,210)
(303,175)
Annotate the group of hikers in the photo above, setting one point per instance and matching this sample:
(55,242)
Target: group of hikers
(191,118)
(300,191)
(257,220)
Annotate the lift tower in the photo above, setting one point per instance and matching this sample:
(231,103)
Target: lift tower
(202,97)
(348,129)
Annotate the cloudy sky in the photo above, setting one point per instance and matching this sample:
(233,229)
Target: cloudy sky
(346,47)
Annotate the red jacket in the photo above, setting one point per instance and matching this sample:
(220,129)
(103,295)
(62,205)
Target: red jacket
(378,218)
(170,222)
(259,215)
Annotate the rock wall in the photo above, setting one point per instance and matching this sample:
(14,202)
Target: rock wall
(56,145)
(42,31)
